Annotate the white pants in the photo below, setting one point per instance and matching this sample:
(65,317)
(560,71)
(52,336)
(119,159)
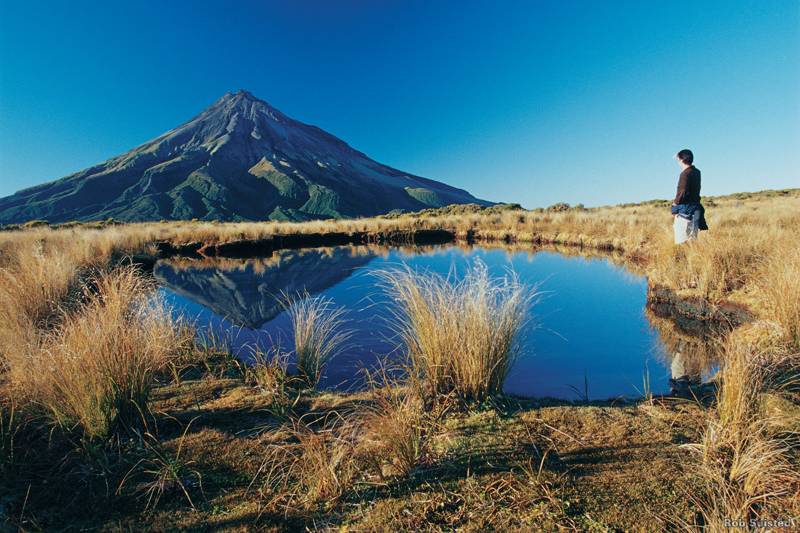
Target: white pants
(685,230)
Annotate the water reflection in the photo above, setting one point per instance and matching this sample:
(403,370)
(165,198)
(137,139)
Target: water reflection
(691,347)
(248,292)
(591,328)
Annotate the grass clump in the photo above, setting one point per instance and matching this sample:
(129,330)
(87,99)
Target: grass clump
(397,432)
(780,291)
(35,285)
(745,464)
(316,466)
(96,369)
(461,336)
(268,372)
(317,329)
(162,473)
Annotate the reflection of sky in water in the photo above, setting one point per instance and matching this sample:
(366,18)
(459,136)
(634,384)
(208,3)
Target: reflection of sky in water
(589,322)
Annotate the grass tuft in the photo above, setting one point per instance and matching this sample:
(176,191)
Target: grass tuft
(163,473)
(397,427)
(779,289)
(318,466)
(10,425)
(461,335)
(317,328)
(96,369)
(744,464)
(268,373)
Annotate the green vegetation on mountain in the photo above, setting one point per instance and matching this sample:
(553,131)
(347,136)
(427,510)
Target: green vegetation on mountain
(239,160)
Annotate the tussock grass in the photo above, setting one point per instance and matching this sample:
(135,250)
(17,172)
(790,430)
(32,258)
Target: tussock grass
(96,369)
(461,336)
(317,466)
(317,329)
(162,473)
(779,290)
(36,283)
(268,372)
(34,286)
(397,435)
(386,440)
(397,427)
(87,358)
(744,464)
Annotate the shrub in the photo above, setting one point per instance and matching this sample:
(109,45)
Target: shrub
(560,206)
(35,224)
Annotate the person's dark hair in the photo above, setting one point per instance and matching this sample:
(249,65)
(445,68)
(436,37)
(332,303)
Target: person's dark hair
(686,156)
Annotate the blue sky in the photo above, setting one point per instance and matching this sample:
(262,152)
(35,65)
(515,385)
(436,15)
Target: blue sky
(532,102)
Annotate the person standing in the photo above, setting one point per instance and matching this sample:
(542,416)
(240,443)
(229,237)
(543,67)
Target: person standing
(688,212)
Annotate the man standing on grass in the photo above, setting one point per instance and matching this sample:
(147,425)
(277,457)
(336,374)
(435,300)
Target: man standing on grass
(687,210)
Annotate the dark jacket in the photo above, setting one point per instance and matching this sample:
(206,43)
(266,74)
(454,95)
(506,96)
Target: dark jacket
(687,200)
(688,187)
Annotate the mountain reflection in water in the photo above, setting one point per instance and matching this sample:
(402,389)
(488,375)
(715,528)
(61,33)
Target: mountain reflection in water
(249,292)
(592,324)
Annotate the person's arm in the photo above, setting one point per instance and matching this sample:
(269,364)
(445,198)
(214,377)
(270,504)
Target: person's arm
(681,194)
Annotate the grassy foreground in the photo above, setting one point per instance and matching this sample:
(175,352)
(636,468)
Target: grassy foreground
(105,400)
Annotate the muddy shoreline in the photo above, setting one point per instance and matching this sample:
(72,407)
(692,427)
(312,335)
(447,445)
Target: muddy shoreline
(265,246)
(245,248)
(695,315)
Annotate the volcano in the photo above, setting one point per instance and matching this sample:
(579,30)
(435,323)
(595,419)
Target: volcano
(240,159)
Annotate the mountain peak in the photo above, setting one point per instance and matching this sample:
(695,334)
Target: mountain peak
(242,95)
(239,159)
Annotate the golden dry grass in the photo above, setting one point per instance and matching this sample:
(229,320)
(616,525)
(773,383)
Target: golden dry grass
(316,466)
(461,335)
(95,369)
(745,459)
(398,427)
(746,229)
(318,333)
(88,357)
(778,290)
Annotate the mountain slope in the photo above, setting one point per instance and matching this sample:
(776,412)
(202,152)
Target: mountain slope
(240,159)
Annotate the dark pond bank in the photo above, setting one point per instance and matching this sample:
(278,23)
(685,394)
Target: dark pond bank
(590,326)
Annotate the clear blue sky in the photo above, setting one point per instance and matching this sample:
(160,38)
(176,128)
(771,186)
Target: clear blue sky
(531,101)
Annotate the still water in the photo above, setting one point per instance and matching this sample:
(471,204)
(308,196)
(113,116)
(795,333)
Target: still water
(589,329)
